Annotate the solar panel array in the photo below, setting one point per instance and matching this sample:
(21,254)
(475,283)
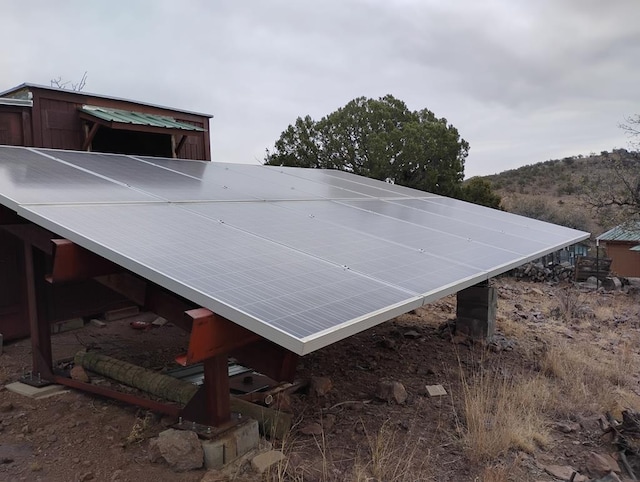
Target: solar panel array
(303,257)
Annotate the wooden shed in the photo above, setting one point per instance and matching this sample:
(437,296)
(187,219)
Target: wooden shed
(38,116)
(622,245)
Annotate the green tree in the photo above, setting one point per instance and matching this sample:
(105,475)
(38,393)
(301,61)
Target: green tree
(478,190)
(382,139)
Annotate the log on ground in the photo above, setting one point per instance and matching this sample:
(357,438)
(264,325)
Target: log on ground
(272,422)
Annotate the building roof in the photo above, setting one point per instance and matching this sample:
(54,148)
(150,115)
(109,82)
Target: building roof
(28,86)
(301,257)
(119,116)
(635,248)
(628,232)
(16,102)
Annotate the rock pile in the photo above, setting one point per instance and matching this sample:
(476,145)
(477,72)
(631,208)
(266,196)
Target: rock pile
(540,273)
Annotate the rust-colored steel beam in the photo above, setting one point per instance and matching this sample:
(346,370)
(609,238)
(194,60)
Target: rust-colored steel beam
(212,338)
(211,405)
(38,324)
(268,358)
(213,335)
(151,296)
(166,408)
(127,285)
(216,388)
(168,305)
(74,263)
(32,234)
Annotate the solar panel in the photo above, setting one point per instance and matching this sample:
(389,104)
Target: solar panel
(263,183)
(27,177)
(302,257)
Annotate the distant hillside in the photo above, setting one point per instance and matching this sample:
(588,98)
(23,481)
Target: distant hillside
(558,191)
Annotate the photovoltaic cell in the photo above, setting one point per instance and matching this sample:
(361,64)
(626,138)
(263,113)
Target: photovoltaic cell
(27,177)
(236,274)
(302,257)
(255,182)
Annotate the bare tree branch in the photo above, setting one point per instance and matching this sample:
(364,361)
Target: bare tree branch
(76,87)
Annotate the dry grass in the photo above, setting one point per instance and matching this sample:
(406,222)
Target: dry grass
(140,427)
(392,457)
(576,362)
(503,413)
(388,455)
(571,305)
(588,379)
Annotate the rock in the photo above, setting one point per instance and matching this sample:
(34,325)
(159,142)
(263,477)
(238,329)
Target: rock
(600,465)
(612,284)
(263,461)
(391,391)
(6,407)
(180,449)
(564,472)
(435,391)
(567,427)
(499,342)
(52,438)
(610,477)
(116,475)
(585,312)
(86,476)
(78,373)
(328,421)
(320,386)
(460,339)
(388,344)
(412,334)
(313,428)
(214,475)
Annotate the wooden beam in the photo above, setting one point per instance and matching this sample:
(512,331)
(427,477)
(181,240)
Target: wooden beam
(180,144)
(74,263)
(27,135)
(213,335)
(89,137)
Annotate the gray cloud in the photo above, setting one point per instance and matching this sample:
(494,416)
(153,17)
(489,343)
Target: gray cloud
(523,81)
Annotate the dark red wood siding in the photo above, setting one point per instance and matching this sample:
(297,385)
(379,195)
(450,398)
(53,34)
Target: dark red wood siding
(15,125)
(58,125)
(61,126)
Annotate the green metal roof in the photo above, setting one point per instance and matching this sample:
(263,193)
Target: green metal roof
(137,118)
(625,232)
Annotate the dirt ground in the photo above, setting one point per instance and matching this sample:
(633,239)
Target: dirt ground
(75,437)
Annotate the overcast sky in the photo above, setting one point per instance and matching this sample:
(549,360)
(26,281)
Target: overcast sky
(523,81)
